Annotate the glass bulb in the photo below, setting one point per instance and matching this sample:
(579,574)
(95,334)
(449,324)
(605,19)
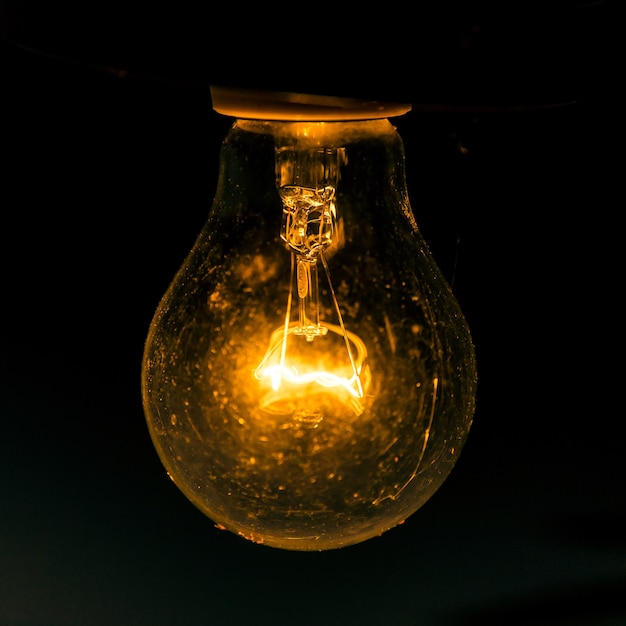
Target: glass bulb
(308,378)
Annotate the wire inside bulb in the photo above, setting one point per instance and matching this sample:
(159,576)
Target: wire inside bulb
(308,356)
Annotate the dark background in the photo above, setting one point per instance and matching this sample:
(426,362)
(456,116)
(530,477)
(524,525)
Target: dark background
(106,181)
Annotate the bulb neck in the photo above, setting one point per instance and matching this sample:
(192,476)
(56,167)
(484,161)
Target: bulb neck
(288,106)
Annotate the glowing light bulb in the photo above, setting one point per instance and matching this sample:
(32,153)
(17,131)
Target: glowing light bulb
(308,378)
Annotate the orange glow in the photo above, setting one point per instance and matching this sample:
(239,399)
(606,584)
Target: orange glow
(335,359)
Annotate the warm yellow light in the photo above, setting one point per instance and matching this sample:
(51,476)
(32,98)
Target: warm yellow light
(308,377)
(341,368)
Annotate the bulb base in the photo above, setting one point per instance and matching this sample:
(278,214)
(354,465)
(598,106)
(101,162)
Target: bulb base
(287,106)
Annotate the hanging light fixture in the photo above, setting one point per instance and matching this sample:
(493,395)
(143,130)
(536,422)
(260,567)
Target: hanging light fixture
(308,378)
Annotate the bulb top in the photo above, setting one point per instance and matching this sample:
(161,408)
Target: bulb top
(301,107)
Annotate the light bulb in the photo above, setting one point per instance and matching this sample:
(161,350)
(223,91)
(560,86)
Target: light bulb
(308,378)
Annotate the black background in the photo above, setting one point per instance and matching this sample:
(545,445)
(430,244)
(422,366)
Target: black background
(104,185)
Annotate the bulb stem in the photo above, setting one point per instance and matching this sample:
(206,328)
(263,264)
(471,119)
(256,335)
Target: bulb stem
(307,286)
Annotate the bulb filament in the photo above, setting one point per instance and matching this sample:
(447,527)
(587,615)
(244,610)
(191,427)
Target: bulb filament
(293,358)
(308,356)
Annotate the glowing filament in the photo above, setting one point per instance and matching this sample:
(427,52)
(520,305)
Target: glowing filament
(279,366)
(307,356)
